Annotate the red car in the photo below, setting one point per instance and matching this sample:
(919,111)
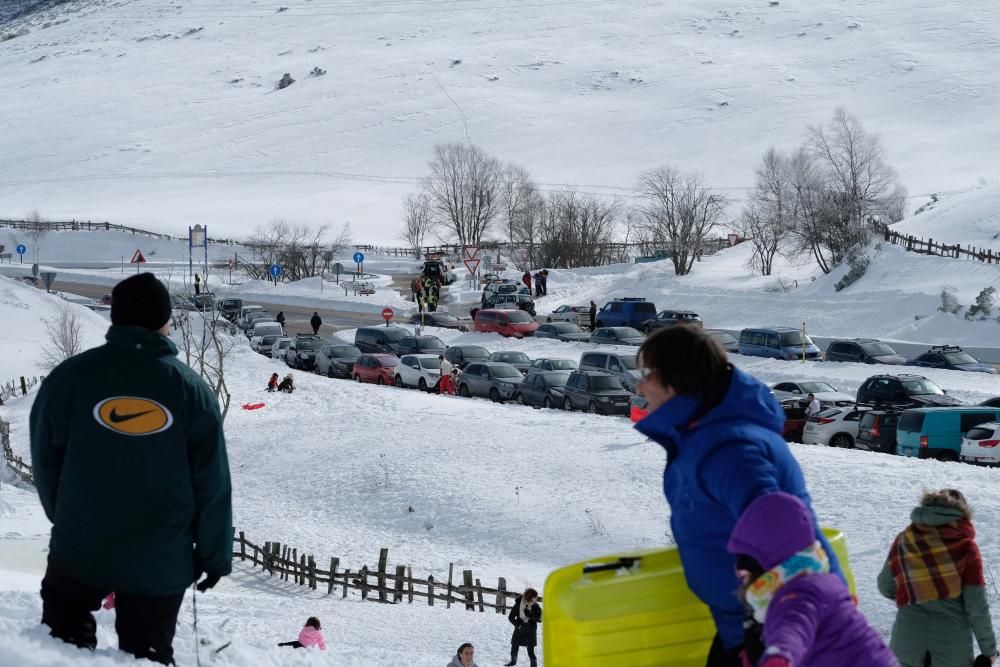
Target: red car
(375,368)
(513,323)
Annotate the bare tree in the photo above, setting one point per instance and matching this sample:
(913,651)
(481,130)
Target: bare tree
(526,229)
(813,212)
(769,214)
(575,230)
(63,334)
(417,221)
(38,227)
(206,340)
(677,214)
(300,250)
(464,191)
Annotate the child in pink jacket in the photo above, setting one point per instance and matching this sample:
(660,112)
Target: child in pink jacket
(311,635)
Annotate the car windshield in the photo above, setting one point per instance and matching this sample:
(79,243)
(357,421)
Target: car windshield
(519,317)
(565,327)
(345,352)
(429,344)
(815,387)
(725,338)
(394,335)
(505,372)
(284,343)
(308,344)
(387,362)
(877,349)
(629,361)
(790,338)
(268,340)
(430,362)
(956,358)
(513,357)
(475,352)
(603,382)
(444,318)
(556,379)
(562,364)
(626,332)
(920,387)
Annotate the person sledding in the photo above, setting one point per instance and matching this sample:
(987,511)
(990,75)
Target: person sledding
(287,385)
(272,384)
(310,636)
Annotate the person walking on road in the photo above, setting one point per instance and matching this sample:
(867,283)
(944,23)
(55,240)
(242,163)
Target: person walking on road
(722,432)
(447,368)
(197,284)
(130,406)
(934,573)
(280,319)
(593,316)
(813,407)
(316,322)
(525,617)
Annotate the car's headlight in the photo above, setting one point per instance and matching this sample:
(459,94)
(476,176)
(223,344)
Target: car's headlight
(605,399)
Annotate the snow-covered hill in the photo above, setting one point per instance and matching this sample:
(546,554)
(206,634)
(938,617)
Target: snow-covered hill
(972,218)
(165,114)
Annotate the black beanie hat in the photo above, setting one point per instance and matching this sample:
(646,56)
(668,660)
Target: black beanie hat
(140,301)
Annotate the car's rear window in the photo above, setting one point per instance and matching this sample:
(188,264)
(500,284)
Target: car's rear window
(912,421)
(979,433)
(645,308)
(867,420)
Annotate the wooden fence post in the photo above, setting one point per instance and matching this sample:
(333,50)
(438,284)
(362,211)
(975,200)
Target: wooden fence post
(467,590)
(312,573)
(282,564)
(363,574)
(430,590)
(501,596)
(243,546)
(24,387)
(333,575)
(383,562)
(397,595)
(409,578)
(347,579)
(451,569)
(479,595)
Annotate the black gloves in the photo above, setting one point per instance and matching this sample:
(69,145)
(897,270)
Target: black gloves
(209,581)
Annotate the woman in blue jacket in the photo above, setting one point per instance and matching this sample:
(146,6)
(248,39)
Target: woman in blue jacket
(722,431)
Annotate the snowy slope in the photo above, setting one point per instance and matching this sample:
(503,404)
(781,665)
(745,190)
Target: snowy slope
(106,246)
(972,218)
(165,114)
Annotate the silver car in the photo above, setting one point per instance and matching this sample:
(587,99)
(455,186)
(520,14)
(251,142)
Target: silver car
(492,379)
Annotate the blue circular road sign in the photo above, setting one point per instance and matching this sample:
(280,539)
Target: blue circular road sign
(359,258)
(21,249)
(275,271)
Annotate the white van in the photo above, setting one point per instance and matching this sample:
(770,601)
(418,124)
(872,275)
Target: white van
(262,329)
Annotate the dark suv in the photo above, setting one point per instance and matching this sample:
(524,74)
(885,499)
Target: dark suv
(668,318)
(462,355)
(379,340)
(953,358)
(420,345)
(912,391)
(863,351)
(877,431)
(597,392)
(301,353)
(628,312)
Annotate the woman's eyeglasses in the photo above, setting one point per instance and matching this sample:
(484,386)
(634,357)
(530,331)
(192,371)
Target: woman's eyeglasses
(644,373)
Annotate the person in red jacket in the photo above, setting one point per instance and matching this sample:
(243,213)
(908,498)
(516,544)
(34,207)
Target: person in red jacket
(527,279)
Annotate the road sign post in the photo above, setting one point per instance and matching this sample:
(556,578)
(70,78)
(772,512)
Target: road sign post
(275,272)
(359,259)
(387,315)
(21,249)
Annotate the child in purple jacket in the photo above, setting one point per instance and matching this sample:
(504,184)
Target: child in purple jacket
(808,616)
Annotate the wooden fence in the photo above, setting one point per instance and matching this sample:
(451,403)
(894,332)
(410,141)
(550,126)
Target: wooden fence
(22,385)
(929,247)
(89,226)
(20,467)
(385,584)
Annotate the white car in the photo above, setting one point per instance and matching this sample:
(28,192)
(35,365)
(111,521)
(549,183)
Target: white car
(578,315)
(982,444)
(836,427)
(826,393)
(265,328)
(279,348)
(418,370)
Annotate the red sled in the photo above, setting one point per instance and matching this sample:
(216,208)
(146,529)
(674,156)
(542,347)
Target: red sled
(637,413)
(253,406)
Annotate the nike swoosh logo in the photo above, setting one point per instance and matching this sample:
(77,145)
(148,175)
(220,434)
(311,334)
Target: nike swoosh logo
(118,419)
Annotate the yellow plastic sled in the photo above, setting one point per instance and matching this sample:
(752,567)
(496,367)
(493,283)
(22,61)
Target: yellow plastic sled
(633,610)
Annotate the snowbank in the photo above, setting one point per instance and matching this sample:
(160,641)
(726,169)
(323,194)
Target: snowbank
(970,218)
(101,247)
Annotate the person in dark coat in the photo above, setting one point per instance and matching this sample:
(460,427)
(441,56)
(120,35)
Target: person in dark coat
(287,385)
(545,282)
(538,283)
(280,319)
(525,617)
(197,284)
(722,432)
(133,407)
(593,315)
(316,321)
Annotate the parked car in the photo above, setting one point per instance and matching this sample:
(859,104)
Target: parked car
(301,352)
(518,360)
(982,444)
(245,310)
(253,318)
(512,323)
(230,307)
(668,318)
(835,427)
(825,392)
(627,312)
(380,340)
(936,433)
(376,368)
(877,431)
(624,366)
(337,361)
(463,355)
(729,342)
(490,379)
(777,343)
(106,299)
(264,344)
(544,389)
(261,328)
(795,418)
(564,331)
(422,371)
(420,345)
(863,351)
(439,318)
(903,391)
(578,315)
(280,347)
(543,364)
(597,392)
(518,301)
(953,358)
(617,336)
(204,301)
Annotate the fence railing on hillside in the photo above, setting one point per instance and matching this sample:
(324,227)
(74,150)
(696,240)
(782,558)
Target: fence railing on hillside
(22,385)
(385,584)
(929,247)
(20,467)
(89,226)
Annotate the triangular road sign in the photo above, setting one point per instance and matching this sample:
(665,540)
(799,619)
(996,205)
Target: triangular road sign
(137,258)
(472,265)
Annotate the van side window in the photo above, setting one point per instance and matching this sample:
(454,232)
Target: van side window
(758,338)
(772,341)
(971,419)
(616,308)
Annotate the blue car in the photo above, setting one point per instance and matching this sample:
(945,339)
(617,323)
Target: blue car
(628,312)
(777,343)
(951,357)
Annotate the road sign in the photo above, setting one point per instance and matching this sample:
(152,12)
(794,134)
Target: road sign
(387,314)
(48,277)
(275,271)
(21,249)
(470,252)
(359,258)
(138,258)
(472,265)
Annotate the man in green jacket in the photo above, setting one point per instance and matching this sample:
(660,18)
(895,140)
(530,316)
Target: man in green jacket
(130,464)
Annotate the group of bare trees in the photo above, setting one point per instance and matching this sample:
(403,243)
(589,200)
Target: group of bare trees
(302,251)
(822,198)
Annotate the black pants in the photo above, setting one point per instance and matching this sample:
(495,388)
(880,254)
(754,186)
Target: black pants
(531,654)
(145,623)
(294,644)
(720,656)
